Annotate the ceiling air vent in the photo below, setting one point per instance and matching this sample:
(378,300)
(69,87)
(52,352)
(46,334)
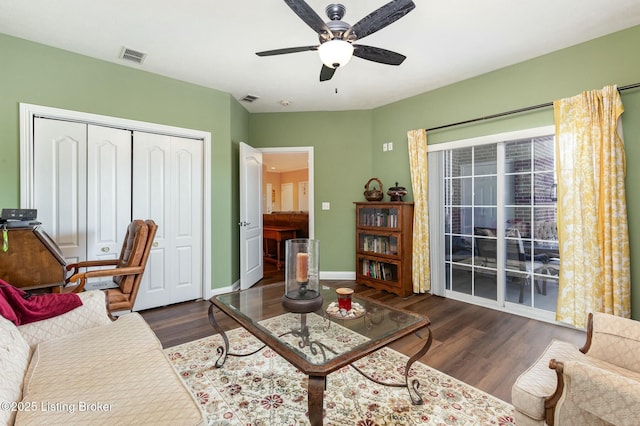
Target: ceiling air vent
(250,98)
(132,55)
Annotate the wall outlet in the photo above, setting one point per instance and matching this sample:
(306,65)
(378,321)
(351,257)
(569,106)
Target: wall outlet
(390,146)
(326,205)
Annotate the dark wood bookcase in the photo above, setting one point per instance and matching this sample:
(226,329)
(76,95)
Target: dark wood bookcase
(384,246)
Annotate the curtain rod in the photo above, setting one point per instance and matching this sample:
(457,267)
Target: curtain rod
(514,111)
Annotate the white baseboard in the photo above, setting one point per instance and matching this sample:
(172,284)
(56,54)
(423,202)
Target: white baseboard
(337,275)
(221,290)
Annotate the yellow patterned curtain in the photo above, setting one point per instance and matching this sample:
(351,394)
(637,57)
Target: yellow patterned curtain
(592,212)
(419,185)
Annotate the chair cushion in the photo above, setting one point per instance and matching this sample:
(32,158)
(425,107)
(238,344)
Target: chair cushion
(118,300)
(120,366)
(539,381)
(546,230)
(14,359)
(616,340)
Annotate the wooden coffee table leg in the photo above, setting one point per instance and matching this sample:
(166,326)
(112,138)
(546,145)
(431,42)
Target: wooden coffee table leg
(316,399)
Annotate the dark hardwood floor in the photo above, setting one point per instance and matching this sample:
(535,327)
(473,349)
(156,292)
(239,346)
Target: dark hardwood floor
(485,348)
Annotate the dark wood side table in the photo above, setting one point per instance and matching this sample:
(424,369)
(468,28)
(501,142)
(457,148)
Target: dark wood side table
(278,234)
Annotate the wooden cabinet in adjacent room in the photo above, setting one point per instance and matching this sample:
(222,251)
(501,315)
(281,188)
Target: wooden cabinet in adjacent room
(384,246)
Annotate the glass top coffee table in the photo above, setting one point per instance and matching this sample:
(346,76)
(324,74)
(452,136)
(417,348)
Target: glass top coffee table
(319,343)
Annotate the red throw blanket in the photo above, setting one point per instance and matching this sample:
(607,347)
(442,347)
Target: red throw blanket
(23,308)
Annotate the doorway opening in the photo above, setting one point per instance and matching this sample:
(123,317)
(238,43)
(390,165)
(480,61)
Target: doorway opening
(287,198)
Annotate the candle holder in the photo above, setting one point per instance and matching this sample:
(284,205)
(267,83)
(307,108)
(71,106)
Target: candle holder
(302,280)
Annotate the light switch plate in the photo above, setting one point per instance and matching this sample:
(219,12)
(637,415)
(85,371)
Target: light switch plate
(326,205)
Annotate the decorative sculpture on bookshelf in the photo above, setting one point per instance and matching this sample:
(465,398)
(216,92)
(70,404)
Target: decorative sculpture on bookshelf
(397,192)
(373,194)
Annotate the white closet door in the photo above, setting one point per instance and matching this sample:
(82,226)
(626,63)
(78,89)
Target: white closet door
(186,173)
(108,190)
(59,183)
(167,187)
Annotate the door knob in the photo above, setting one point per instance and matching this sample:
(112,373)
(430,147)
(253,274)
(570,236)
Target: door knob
(105,249)
(155,244)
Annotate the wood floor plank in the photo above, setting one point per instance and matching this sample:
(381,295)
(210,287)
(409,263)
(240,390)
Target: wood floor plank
(485,348)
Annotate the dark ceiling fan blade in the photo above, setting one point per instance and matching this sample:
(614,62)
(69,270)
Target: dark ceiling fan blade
(380,18)
(326,73)
(286,50)
(377,54)
(309,16)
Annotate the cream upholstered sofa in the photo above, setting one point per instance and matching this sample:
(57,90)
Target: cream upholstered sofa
(83,368)
(596,385)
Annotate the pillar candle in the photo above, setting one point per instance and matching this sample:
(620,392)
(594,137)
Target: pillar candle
(302,267)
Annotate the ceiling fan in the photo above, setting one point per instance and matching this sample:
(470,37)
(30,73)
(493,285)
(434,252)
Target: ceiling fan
(337,37)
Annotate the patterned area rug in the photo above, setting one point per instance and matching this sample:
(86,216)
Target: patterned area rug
(264,389)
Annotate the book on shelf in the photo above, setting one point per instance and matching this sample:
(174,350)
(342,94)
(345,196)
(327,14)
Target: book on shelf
(383,218)
(377,270)
(387,273)
(377,244)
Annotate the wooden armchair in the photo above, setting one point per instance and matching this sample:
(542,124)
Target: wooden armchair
(127,270)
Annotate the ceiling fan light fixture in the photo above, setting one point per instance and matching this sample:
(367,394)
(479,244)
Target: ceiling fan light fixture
(335,53)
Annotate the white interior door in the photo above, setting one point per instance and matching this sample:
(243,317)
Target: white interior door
(59,190)
(286,197)
(268,198)
(251,251)
(108,191)
(167,187)
(186,183)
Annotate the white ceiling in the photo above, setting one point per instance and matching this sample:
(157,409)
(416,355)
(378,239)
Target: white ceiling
(213,43)
(280,163)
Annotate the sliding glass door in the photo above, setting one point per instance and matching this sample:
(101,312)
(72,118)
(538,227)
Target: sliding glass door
(497,219)
(471,195)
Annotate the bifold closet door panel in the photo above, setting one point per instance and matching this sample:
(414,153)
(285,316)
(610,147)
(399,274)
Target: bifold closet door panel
(60,184)
(108,190)
(187,175)
(167,187)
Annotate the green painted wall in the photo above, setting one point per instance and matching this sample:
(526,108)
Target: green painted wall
(607,60)
(37,74)
(347,144)
(342,165)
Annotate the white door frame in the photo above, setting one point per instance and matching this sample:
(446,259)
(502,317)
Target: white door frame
(309,151)
(29,111)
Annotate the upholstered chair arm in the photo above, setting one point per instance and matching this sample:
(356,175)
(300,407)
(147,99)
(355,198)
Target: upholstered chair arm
(92,313)
(83,276)
(595,393)
(75,267)
(615,340)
